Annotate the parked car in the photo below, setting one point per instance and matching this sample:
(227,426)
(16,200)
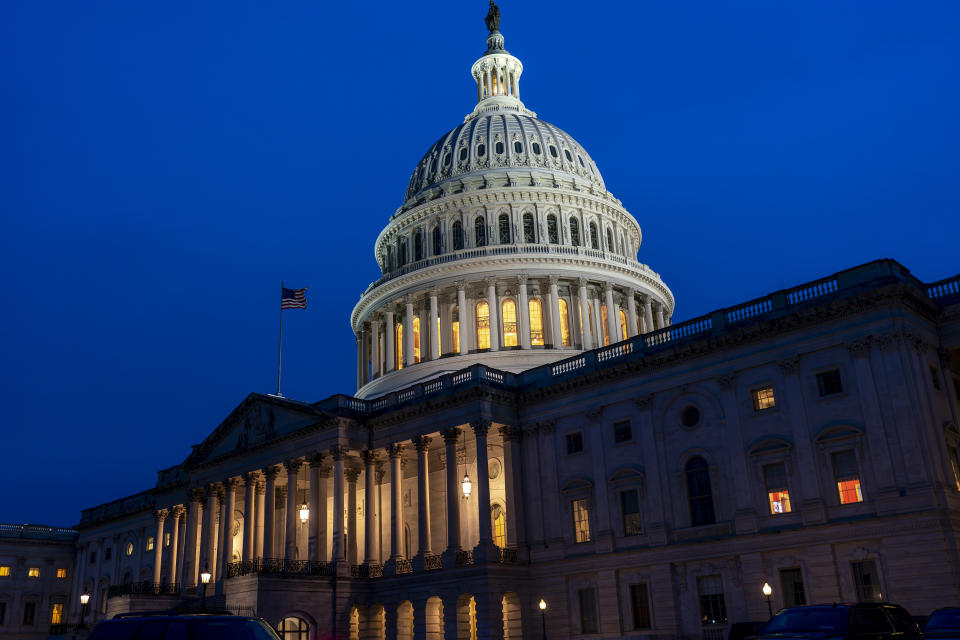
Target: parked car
(744,630)
(943,624)
(858,621)
(173,626)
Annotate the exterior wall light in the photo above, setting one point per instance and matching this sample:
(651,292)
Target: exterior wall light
(467,486)
(304,513)
(84,598)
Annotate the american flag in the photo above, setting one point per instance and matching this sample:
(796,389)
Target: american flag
(293,298)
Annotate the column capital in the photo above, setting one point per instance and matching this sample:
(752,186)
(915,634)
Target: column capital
(380,473)
(583,282)
(368,456)
(608,286)
(293,465)
(726,380)
(491,281)
(421,443)
(395,450)
(160,515)
(338,451)
(271,472)
(178,511)
(480,427)
(408,299)
(522,279)
(213,490)
(858,348)
(251,478)
(231,484)
(352,474)
(197,494)
(789,365)
(261,488)
(631,291)
(553,279)
(510,434)
(450,435)
(317,458)
(460,285)
(434,292)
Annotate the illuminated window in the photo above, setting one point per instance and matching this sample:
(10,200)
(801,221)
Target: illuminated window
(699,492)
(594,243)
(56,613)
(149,543)
(574,232)
(564,323)
(480,231)
(713,608)
(416,339)
(553,236)
(33,572)
(455,328)
(623,325)
(294,629)
(529,235)
(763,399)
(604,325)
(499,526)
(4,571)
(483,325)
(509,310)
(61,573)
(954,462)
(581,520)
(166,539)
(129,549)
(778,496)
(593,333)
(457,235)
(829,383)
(398,345)
(504,225)
(536,322)
(640,604)
(437,340)
(630,510)
(847,476)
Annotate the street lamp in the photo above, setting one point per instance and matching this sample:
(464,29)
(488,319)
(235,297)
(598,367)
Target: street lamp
(84,599)
(543,617)
(304,513)
(205,579)
(467,486)
(767,592)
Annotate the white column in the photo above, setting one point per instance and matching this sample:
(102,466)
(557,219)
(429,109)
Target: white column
(359,359)
(396,501)
(290,548)
(191,550)
(586,338)
(227,510)
(177,513)
(370,551)
(270,513)
(258,531)
(466,318)
(339,453)
(485,550)
(422,444)
(408,332)
(434,336)
(210,531)
(159,516)
(523,312)
(375,347)
(648,314)
(631,312)
(612,315)
(352,475)
(494,314)
(554,313)
(389,331)
(450,437)
(660,321)
(249,513)
(318,510)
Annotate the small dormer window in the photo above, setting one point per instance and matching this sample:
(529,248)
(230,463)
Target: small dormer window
(498,147)
(536,148)
(463,154)
(581,161)
(518,147)
(553,151)
(566,152)
(481,150)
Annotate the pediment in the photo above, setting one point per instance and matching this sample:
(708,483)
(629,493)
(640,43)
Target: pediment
(836,432)
(577,484)
(627,475)
(770,445)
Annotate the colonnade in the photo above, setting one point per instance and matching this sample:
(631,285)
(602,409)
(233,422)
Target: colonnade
(459,318)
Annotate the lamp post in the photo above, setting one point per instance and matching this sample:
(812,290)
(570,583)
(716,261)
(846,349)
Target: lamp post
(767,592)
(543,618)
(84,599)
(204,579)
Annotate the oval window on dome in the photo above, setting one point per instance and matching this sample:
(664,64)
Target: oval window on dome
(518,146)
(566,152)
(433,166)
(581,161)
(553,151)
(498,147)
(463,154)
(536,147)
(446,159)
(481,150)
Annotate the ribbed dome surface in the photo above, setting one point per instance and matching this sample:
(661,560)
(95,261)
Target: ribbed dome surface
(501,141)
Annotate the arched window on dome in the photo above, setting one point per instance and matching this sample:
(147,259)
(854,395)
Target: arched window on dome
(416,339)
(509,310)
(564,322)
(457,235)
(483,325)
(623,248)
(418,246)
(553,236)
(503,223)
(398,346)
(294,629)
(437,241)
(623,325)
(604,325)
(609,240)
(529,233)
(574,232)
(401,251)
(455,328)
(536,322)
(480,231)
(699,492)
(391,260)
(594,241)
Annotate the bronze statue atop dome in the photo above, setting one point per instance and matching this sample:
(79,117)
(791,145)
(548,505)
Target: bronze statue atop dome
(493,17)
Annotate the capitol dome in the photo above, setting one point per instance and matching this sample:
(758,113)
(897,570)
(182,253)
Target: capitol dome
(508,250)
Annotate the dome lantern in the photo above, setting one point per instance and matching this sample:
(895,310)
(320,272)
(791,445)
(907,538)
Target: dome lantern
(497,73)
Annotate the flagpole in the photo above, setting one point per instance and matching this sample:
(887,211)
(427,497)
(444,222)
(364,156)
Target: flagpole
(280,342)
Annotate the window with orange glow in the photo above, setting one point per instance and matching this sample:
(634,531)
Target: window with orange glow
(483,325)
(536,322)
(849,491)
(763,399)
(603,324)
(56,613)
(847,475)
(398,345)
(564,323)
(623,325)
(439,344)
(61,573)
(581,520)
(499,526)
(509,323)
(455,329)
(33,572)
(4,571)
(416,339)
(778,496)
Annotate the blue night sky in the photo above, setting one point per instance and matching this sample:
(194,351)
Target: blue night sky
(163,166)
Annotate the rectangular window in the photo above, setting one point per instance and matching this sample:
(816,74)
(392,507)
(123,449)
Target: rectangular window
(29,612)
(33,572)
(56,613)
(763,399)
(630,508)
(935,377)
(166,539)
(713,609)
(3,613)
(640,604)
(791,584)
(622,431)
(847,477)
(778,496)
(93,557)
(4,571)
(581,520)
(829,383)
(61,573)
(107,553)
(574,442)
(866,581)
(149,543)
(588,611)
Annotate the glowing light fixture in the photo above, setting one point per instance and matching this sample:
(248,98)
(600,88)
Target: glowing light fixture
(543,604)
(304,513)
(767,589)
(467,486)
(84,598)
(205,576)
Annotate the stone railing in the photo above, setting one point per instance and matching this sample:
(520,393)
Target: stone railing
(464,558)
(279,567)
(144,589)
(404,566)
(366,571)
(945,291)
(508,555)
(431,562)
(37,532)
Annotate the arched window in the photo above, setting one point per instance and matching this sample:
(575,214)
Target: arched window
(401,251)
(498,147)
(529,235)
(699,493)
(609,240)
(594,242)
(437,244)
(483,325)
(623,325)
(509,323)
(455,329)
(416,339)
(480,231)
(536,322)
(552,235)
(604,325)
(574,232)
(564,323)
(398,345)
(593,332)
(391,265)
(457,235)
(294,629)
(504,223)
(499,526)
(417,246)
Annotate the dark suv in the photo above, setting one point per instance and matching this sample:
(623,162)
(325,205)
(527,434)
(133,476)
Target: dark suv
(860,621)
(171,626)
(943,624)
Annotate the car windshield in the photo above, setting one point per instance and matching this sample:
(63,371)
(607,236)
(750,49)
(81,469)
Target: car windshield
(183,629)
(808,620)
(949,619)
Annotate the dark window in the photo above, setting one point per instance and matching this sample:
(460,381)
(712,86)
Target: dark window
(437,244)
(713,609)
(29,612)
(609,240)
(574,442)
(588,611)
(552,236)
(566,152)
(463,154)
(829,382)
(640,603)
(479,228)
(433,166)
(622,431)
(574,232)
(402,250)
(630,509)
(481,150)
(690,416)
(504,221)
(593,236)
(3,612)
(699,492)
(935,377)
(417,251)
(518,146)
(581,161)
(498,147)
(457,236)
(446,159)
(791,583)
(93,557)
(866,581)
(536,147)
(553,151)
(529,235)
(109,550)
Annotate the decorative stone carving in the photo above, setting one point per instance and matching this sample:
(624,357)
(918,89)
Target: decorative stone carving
(422,443)
(858,348)
(451,434)
(789,365)
(594,413)
(480,427)
(339,452)
(644,403)
(395,450)
(726,381)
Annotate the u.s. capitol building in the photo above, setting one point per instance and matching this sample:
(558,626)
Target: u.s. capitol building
(529,424)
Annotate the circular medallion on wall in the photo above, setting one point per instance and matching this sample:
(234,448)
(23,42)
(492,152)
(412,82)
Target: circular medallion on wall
(128,549)
(494,468)
(690,416)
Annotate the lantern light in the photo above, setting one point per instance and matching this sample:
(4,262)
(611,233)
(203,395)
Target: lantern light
(84,598)
(467,486)
(205,576)
(767,589)
(543,604)
(304,513)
